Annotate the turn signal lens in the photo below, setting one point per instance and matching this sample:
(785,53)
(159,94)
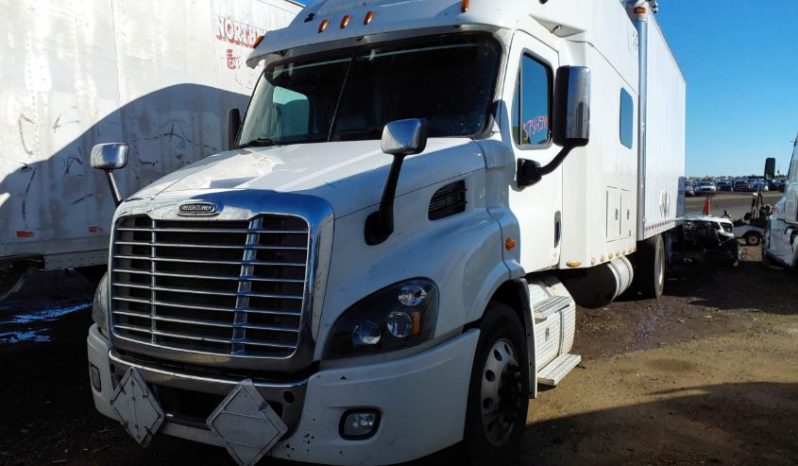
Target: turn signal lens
(257,42)
(369,18)
(640,10)
(345,21)
(323,25)
(465,5)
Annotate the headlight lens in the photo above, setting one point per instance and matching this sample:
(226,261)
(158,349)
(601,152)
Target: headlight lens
(399,316)
(99,309)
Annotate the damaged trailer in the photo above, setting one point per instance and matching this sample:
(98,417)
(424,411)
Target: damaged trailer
(160,75)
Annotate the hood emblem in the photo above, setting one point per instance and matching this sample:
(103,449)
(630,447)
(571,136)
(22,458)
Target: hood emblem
(198,209)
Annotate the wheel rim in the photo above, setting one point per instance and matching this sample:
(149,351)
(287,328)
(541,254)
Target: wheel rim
(752,240)
(501,392)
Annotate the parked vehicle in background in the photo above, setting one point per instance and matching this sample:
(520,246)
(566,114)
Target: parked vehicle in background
(689,190)
(388,260)
(706,187)
(724,185)
(781,235)
(741,186)
(161,75)
(706,240)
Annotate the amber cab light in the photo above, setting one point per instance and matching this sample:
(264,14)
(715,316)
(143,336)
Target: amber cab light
(465,5)
(323,25)
(369,18)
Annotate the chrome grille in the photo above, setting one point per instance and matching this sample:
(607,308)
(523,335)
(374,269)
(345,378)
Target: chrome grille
(221,287)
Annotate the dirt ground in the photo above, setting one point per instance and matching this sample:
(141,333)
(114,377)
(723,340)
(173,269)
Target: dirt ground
(707,375)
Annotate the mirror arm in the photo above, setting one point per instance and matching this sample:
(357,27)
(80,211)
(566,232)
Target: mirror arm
(530,172)
(379,225)
(114,187)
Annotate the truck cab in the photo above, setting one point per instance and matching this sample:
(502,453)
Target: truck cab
(388,259)
(781,235)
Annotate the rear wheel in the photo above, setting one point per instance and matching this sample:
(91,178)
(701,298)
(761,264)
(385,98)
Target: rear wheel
(650,273)
(498,395)
(752,239)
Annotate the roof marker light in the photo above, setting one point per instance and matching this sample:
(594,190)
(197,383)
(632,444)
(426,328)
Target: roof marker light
(640,10)
(345,21)
(323,25)
(465,5)
(369,18)
(257,42)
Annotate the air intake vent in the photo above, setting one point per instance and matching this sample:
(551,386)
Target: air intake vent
(448,201)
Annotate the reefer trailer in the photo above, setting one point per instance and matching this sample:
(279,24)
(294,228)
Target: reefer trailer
(160,75)
(388,259)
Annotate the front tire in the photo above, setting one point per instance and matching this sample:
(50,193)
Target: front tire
(498,395)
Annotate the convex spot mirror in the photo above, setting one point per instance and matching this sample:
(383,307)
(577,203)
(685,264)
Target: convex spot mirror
(109,157)
(404,137)
(571,113)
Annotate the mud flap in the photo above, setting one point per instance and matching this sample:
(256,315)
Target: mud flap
(137,408)
(247,424)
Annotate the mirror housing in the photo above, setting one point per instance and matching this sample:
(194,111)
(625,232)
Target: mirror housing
(570,122)
(233,127)
(770,168)
(404,137)
(109,157)
(399,138)
(571,112)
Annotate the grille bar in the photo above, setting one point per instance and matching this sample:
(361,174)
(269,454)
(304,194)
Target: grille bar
(212,277)
(222,287)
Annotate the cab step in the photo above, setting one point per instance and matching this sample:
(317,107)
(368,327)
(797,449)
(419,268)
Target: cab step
(545,308)
(556,370)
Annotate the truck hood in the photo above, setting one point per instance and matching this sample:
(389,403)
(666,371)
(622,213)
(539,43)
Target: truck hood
(348,175)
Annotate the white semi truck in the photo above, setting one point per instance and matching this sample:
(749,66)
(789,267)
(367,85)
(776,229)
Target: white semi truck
(387,261)
(159,75)
(780,243)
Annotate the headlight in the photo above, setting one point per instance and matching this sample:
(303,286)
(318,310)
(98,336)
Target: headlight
(99,309)
(399,316)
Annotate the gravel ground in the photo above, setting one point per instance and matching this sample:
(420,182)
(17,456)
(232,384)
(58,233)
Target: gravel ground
(706,375)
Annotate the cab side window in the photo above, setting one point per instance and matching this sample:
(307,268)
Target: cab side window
(532,104)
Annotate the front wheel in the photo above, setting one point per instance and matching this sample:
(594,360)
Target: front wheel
(498,395)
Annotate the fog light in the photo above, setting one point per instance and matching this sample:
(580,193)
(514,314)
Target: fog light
(94,375)
(366,334)
(359,425)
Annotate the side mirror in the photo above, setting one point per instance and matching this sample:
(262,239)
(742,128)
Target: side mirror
(399,138)
(572,106)
(233,126)
(770,168)
(404,137)
(110,157)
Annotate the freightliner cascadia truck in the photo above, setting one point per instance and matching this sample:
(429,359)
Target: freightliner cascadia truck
(387,260)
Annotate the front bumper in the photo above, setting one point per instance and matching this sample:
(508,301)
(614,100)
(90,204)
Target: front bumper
(421,400)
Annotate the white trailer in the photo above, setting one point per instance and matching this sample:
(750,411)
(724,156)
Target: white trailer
(160,75)
(389,261)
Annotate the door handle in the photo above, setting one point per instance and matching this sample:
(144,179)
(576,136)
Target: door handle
(557,228)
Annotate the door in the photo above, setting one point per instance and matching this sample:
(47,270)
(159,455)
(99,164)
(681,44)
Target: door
(528,90)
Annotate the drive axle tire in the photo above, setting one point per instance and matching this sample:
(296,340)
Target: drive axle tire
(498,395)
(650,272)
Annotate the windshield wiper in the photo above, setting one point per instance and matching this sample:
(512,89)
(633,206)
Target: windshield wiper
(259,142)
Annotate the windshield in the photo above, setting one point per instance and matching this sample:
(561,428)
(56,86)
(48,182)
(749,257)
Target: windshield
(351,95)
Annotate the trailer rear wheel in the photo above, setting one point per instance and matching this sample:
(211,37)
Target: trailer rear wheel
(498,395)
(650,273)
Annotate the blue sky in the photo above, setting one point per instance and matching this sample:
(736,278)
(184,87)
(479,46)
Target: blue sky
(740,58)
